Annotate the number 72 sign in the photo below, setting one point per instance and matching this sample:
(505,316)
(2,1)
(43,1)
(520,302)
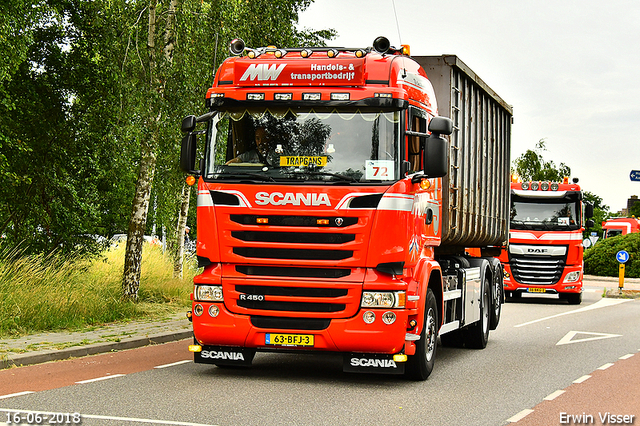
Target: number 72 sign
(379,170)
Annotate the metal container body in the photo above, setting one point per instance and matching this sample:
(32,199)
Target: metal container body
(475,208)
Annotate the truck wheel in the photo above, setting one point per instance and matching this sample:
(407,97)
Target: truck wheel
(478,332)
(574,298)
(498,288)
(420,365)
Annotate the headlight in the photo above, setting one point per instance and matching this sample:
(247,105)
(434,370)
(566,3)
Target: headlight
(572,277)
(209,293)
(383,299)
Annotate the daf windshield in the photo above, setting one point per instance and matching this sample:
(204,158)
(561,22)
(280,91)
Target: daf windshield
(319,144)
(551,214)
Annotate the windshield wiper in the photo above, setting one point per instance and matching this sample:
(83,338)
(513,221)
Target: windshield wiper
(263,178)
(318,172)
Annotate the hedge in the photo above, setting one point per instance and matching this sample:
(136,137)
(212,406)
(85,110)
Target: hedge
(601,258)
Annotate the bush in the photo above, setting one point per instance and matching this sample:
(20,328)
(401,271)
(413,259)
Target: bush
(601,258)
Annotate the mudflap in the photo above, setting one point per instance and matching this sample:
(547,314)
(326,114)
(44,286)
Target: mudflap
(224,355)
(371,363)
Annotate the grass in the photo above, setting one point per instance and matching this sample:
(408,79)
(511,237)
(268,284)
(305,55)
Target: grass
(44,293)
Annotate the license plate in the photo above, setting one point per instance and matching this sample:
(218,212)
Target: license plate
(537,290)
(289,339)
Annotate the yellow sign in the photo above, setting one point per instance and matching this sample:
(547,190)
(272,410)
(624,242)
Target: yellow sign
(303,161)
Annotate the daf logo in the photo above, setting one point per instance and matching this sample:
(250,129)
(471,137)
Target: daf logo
(537,250)
(280,199)
(339,221)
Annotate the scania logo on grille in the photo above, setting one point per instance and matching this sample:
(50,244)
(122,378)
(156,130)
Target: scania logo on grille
(280,199)
(339,221)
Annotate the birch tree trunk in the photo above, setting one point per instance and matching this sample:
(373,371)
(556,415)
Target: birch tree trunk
(182,224)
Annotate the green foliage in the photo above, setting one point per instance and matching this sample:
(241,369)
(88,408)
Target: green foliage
(601,258)
(600,213)
(530,166)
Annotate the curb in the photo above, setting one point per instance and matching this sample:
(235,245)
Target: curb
(31,358)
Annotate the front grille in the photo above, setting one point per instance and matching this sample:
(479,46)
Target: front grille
(284,271)
(297,254)
(311,324)
(291,291)
(293,237)
(291,306)
(537,270)
(297,221)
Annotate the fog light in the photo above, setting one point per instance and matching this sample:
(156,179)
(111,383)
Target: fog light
(400,358)
(198,309)
(369,317)
(214,311)
(572,277)
(388,318)
(195,348)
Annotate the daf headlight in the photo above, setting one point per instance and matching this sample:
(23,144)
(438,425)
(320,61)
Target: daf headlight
(209,293)
(383,299)
(572,277)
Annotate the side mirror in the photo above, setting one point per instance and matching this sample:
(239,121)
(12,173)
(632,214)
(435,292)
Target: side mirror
(188,153)
(588,210)
(590,223)
(188,123)
(436,148)
(441,125)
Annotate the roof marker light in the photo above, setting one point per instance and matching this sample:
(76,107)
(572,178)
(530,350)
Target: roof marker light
(544,186)
(305,53)
(555,186)
(332,53)
(280,53)
(535,186)
(360,53)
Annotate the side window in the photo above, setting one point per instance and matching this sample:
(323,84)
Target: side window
(417,133)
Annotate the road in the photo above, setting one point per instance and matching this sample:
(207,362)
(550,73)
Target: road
(541,346)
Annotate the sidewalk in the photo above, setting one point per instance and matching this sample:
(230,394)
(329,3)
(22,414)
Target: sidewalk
(44,347)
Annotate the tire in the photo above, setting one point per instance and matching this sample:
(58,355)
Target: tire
(497,290)
(478,333)
(573,298)
(420,365)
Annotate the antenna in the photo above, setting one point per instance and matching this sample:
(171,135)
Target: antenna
(215,58)
(397,25)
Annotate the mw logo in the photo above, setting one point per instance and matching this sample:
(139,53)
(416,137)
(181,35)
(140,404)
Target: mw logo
(262,72)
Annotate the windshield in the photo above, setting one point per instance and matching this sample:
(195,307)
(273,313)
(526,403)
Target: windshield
(554,215)
(313,145)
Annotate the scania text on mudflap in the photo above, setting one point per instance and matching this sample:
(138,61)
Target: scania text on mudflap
(338,211)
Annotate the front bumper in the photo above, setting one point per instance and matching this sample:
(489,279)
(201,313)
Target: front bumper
(562,286)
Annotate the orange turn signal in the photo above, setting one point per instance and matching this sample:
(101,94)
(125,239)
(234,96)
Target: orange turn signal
(191,180)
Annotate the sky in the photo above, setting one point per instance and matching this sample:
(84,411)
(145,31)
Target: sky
(570,69)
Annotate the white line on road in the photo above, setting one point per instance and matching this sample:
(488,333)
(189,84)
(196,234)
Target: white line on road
(82,382)
(582,379)
(627,356)
(521,415)
(604,367)
(602,303)
(11,395)
(554,395)
(569,337)
(174,363)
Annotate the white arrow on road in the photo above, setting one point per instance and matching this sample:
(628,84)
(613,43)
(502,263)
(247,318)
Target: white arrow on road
(568,338)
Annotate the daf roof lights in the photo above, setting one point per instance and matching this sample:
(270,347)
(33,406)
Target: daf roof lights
(236,46)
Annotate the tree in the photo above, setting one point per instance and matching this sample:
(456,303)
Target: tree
(600,213)
(530,166)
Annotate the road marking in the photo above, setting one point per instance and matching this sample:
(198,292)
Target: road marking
(582,379)
(82,382)
(11,395)
(567,339)
(627,356)
(604,367)
(173,363)
(554,395)
(602,303)
(120,419)
(521,415)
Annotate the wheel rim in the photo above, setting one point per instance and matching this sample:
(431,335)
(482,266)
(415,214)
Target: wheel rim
(430,335)
(485,311)
(498,306)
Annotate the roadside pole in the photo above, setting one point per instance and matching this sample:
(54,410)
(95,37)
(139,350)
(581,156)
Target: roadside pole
(622,256)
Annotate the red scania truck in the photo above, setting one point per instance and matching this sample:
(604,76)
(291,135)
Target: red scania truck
(545,240)
(333,215)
